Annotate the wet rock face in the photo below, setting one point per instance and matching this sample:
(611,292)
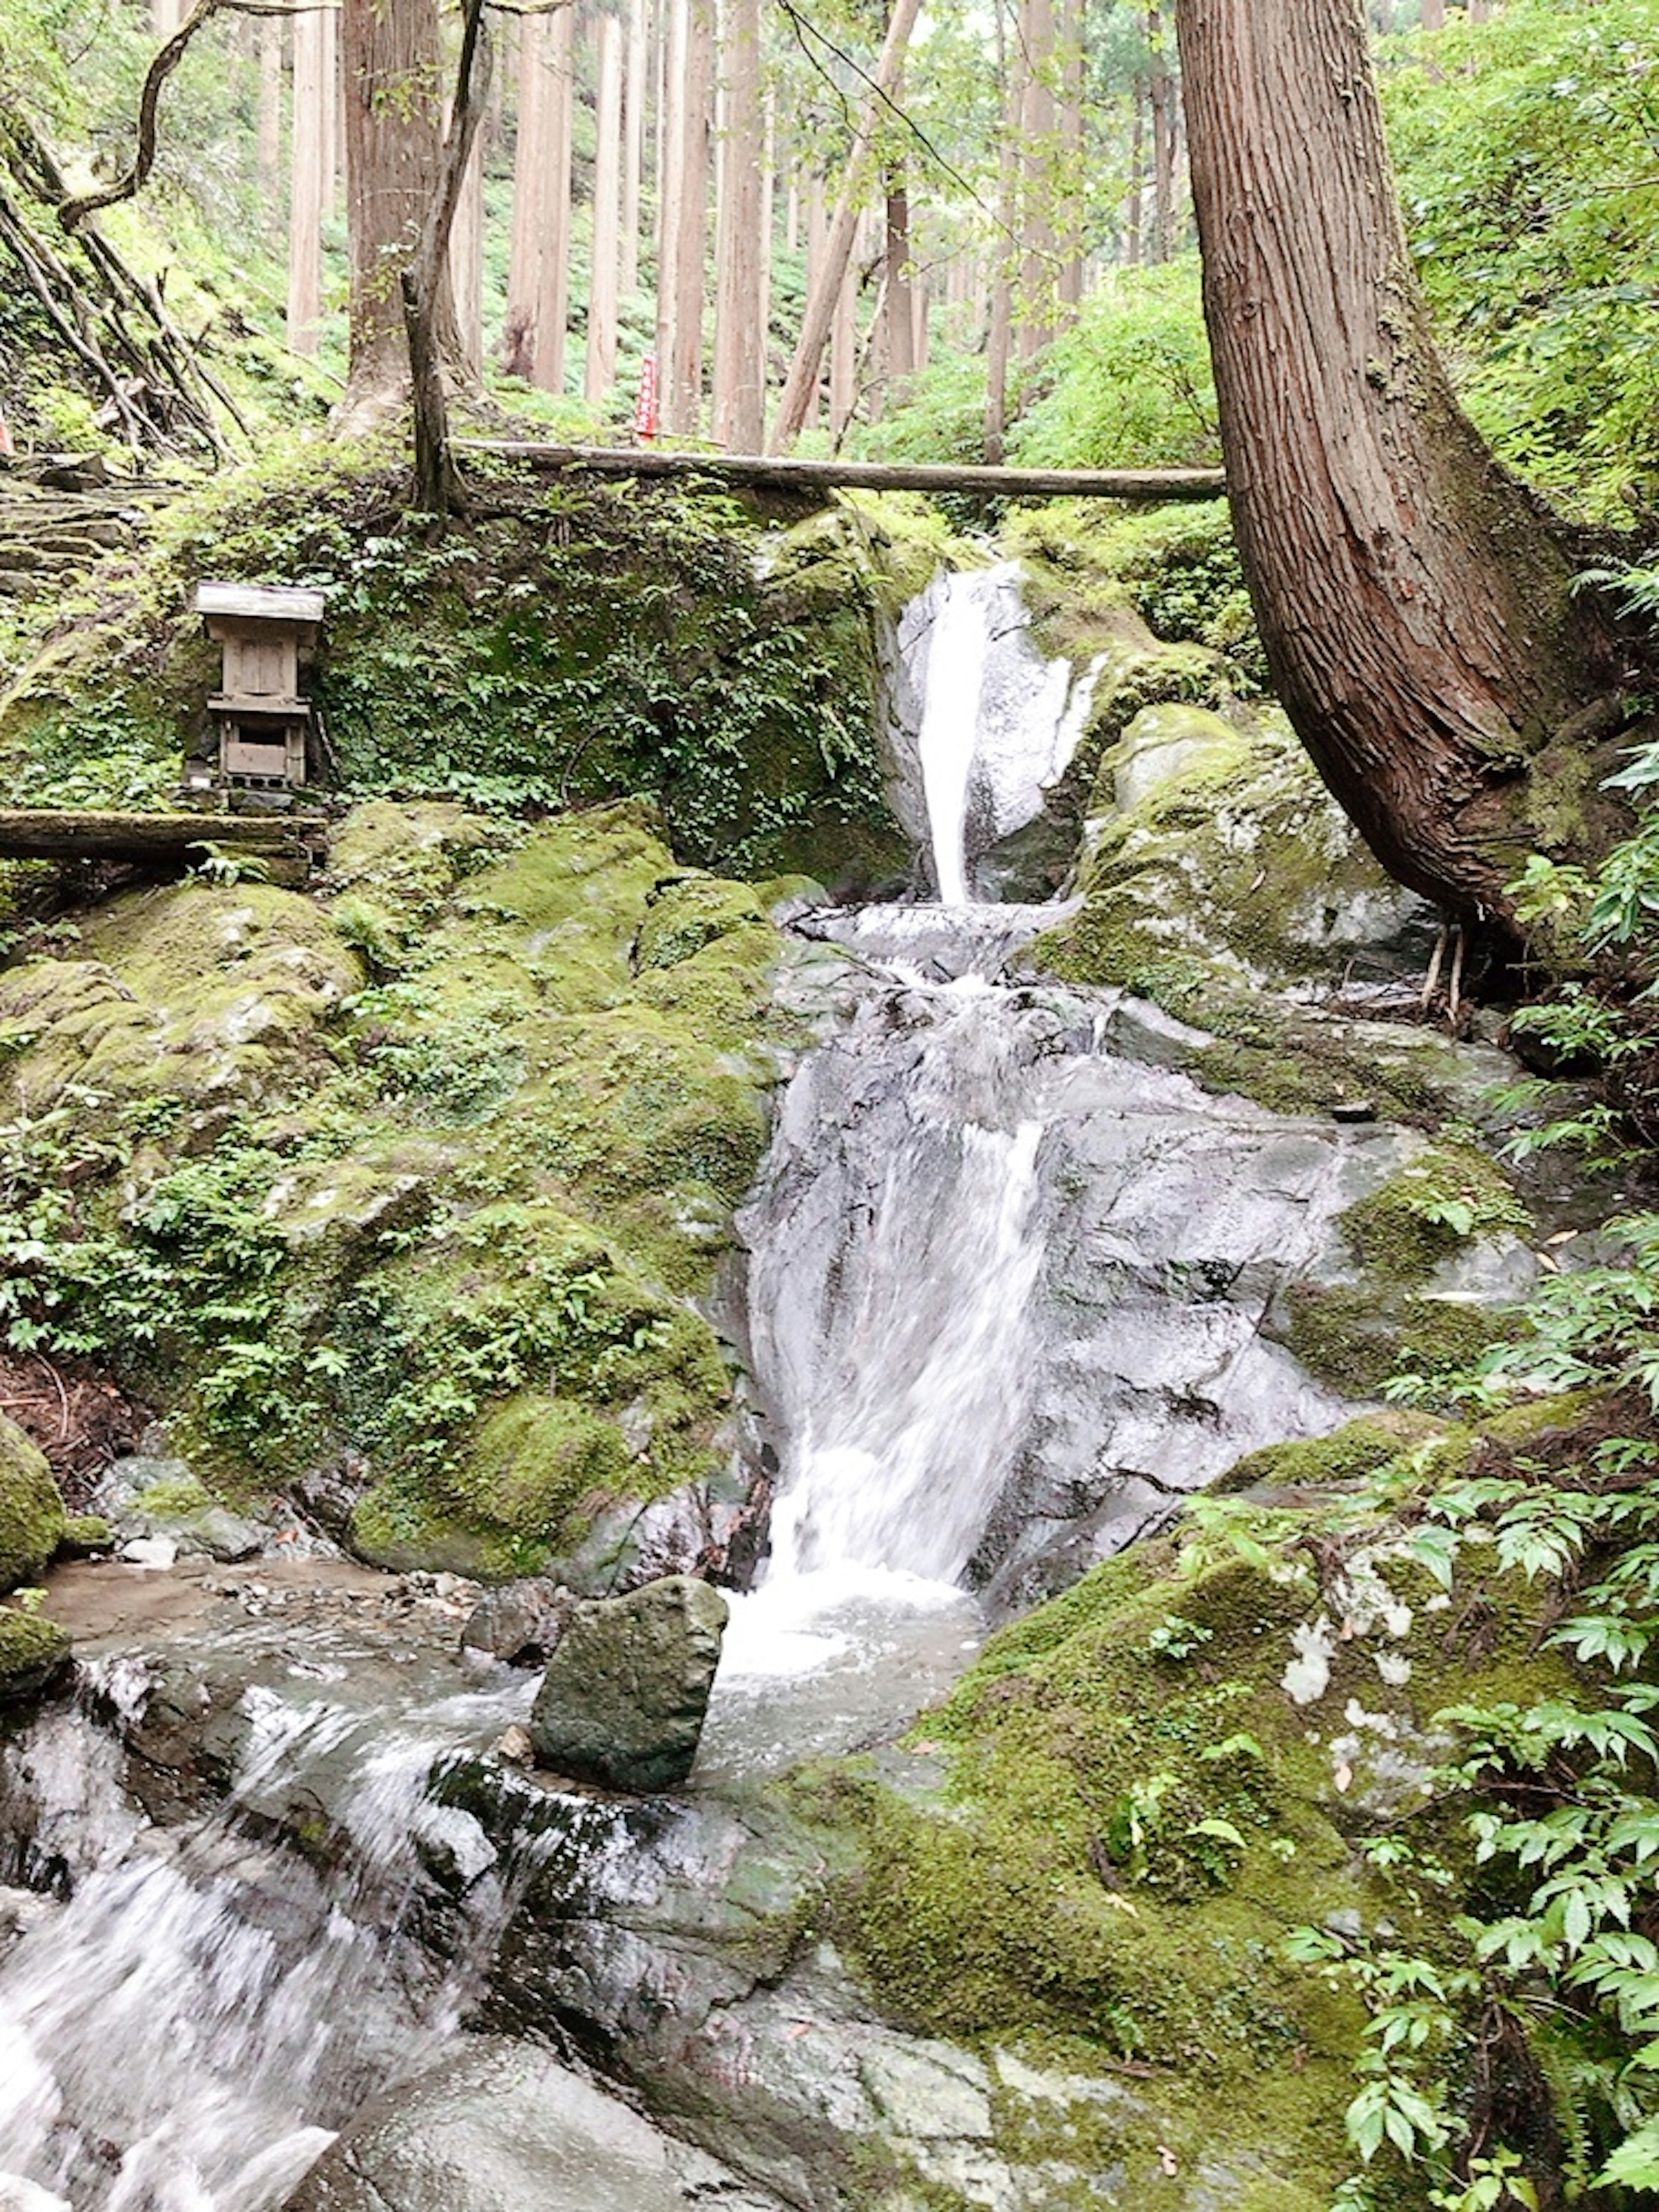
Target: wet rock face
(622,1701)
(501,2126)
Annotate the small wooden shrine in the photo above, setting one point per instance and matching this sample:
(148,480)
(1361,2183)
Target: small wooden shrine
(259,716)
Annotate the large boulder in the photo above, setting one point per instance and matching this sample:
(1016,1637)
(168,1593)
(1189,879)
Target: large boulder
(498,2126)
(32,1516)
(622,1701)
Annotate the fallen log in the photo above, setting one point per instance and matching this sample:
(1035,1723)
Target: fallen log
(763,472)
(33,833)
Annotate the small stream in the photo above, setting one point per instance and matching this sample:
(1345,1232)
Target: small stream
(1011,1274)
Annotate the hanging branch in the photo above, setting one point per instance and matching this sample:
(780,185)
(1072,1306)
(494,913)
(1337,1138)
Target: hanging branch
(76,211)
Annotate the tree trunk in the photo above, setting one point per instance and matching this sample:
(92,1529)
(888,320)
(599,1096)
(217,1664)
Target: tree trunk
(1161,86)
(466,259)
(603,288)
(684,197)
(829,282)
(1070,212)
(1039,182)
(393,70)
(1416,609)
(999,338)
(553,267)
(1434,15)
(312,90)
(1133,211)
(899,301)
(739,391)
(529,167)
(637,74)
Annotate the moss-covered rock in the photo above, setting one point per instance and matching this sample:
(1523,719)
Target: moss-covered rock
(32,1521)
(1093,1852)
(33,1649)
(583,643)
(424,1171)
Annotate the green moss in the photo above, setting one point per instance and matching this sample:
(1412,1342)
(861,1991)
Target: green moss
(1444,1200)
(1357,1448)
(685,916)
(1356,1339)
(1218,865)
(32,1650)
(32,1516)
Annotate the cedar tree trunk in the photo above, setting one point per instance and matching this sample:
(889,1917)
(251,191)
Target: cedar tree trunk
(1414,602)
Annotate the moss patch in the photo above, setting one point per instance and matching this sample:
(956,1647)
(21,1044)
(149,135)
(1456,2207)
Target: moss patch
(32,1517)
(425,1170)
(1094,1851)
(32,1650)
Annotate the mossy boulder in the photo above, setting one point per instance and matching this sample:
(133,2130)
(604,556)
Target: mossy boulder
(32,1650)
(622,1700)
(32,1520)
(420,1176)
(1218,861)
(1093,1852)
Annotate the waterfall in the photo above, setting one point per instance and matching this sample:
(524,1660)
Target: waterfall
(1008,1271)
(993,725)
(186,2032)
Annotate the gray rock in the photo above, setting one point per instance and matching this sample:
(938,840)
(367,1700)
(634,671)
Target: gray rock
(503,2127)
(151,1497)
(622,1701)
(520,1622)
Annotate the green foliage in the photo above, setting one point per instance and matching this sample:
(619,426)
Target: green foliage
(1525,161)
(1129,385)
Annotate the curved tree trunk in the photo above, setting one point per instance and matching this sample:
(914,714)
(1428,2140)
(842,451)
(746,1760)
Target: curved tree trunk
(1414,603)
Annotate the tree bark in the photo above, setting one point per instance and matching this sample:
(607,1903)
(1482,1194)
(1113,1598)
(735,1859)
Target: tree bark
(999,336)
(1162,93)
(1039,184)
(530,165)
(829,283)
(637,73)
(1070,216)
(394,72)
(739,387)
(312,90)
(603,290)
(1416,606)
(686,200)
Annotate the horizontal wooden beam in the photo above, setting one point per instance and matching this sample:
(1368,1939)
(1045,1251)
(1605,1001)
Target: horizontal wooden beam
(33,833)
(763,473)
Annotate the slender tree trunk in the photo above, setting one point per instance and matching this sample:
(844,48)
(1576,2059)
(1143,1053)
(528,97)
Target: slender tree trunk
(1133,217)
(553,275)
(817,240)
(826,289)
(466,256)
(1434,15)
(1162,91)
(1417,610)
(393,70)
(899,300)
(637,74)
(329,21)
(670,161)
(1000,338)
(530,159)
(844,357)
(1038,183)
(602,293)
(739,387)
(311,91)
(1073,172)
(684,194)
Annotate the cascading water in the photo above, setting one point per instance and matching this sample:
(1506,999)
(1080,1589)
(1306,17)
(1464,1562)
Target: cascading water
(1008,1271)
(184,2033)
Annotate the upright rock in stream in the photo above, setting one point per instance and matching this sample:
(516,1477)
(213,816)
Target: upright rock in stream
(622,1701)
